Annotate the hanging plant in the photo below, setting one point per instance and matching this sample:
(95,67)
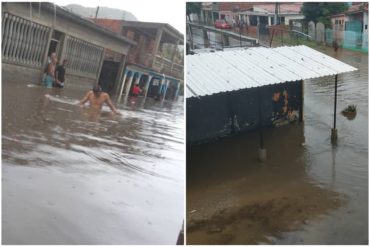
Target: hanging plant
(350,112)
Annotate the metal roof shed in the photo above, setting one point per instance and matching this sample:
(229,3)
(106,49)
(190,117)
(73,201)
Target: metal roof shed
(240,72)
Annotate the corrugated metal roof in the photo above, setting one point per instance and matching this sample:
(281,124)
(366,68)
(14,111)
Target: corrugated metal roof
(223,71)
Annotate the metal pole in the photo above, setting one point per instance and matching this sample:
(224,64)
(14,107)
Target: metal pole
(273,32)
(240,30)
(276,14)
(335,101)
(334,134)
(240,36)
(96,13)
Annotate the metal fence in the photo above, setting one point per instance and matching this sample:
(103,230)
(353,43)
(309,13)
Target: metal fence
(83,57)
(23,41)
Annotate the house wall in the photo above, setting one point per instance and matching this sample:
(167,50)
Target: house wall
(79,39)
(66,25)
(365,34)
(224,114)
(293,17)
(143,52)
(337,22)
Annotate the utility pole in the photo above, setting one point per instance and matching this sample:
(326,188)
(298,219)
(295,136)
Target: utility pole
(97,11)
(276,13)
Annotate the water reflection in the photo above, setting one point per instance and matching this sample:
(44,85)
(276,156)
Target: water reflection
(108,179)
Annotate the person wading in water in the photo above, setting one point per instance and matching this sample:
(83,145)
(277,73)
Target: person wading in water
(97,98)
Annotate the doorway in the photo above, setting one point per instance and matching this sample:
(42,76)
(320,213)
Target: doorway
(108,76)
(154,86)
(55,43)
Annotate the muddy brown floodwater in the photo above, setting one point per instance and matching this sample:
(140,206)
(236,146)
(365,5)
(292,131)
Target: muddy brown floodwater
(308,191)
(70,176)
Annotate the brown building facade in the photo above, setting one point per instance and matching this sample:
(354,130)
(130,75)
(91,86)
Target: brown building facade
(156,63)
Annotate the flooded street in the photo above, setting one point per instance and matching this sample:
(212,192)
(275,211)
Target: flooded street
(308,191)
(73,177)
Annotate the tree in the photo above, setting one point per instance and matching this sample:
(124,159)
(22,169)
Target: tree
(193,8)
(321,12)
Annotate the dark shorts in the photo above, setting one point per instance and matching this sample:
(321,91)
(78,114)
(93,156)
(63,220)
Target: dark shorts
(58,85)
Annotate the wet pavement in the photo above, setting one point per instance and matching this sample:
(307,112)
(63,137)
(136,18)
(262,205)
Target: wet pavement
(71,176)
(308,191)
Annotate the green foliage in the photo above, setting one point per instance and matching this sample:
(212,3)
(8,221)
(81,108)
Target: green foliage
(350,108)
(193,8)
(321,12)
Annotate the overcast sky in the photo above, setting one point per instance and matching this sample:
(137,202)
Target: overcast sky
(172,12)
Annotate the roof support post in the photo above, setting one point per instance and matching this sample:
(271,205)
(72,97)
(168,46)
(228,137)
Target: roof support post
(121,76)
(122,86)
(165,84)
(302,100)
(334,135)
(177,90)
(147,84)
(128,87)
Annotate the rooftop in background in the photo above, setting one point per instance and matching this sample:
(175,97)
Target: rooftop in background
(267,7)
(357,7)
(149,28)
(154,26)
(67,13)
(284,8)
(224,71)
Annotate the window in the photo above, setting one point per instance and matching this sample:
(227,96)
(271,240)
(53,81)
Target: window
(24,41)
(83,57)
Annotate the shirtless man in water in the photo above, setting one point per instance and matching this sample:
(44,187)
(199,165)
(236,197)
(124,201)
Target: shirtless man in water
(97,98)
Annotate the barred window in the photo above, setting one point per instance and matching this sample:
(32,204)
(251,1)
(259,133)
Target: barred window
(83,57)
(23,41)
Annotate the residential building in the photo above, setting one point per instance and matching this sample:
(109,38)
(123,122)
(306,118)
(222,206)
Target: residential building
(351,26)
(253,13)
(31,31)
(255,16)
(156,63)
